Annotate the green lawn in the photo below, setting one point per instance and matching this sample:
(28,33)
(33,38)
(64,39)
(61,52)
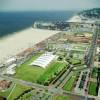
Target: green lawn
(69,85)
(92,88)
(61,97)
(54,67)
(27,72)
(94,73)
(14,91)
(35,73)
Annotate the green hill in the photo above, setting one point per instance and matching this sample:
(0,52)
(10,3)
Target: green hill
(91,13)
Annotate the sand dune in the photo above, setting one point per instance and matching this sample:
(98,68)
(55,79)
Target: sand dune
(20,41)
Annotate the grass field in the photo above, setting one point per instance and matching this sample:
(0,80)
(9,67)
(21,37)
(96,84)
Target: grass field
(70,83)
(61,97)
(14,91)
(35,73)
(54,67)
(27,72)
(94,73)
(92,88)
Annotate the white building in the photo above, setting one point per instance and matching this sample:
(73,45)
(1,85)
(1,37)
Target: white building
(43,60)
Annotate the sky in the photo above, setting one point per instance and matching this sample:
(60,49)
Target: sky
(39,5)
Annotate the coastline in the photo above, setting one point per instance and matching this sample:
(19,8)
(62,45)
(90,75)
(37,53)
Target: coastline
(16,43)
(13,44)
(16,32)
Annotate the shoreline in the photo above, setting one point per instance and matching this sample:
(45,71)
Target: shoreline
(13,33)
(16,43)
(20,33)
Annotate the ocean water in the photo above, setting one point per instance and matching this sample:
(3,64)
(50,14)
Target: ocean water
(11,22)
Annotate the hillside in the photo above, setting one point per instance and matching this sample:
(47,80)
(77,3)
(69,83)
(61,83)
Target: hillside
(91,13)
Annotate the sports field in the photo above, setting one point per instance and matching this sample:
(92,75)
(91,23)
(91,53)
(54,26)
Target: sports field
(27,72)
(34,73)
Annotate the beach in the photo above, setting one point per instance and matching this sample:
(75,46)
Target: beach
(16,43)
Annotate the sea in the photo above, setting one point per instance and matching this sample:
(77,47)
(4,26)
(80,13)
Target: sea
(11,22)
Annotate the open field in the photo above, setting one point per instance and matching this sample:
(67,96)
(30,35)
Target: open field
(21,41)
(92,88)
(27,72)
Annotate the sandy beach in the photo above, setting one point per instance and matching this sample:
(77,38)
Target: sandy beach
(16,43)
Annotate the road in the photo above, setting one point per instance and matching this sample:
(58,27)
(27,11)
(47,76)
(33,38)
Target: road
(51,90)
(92,50)
(91,54)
